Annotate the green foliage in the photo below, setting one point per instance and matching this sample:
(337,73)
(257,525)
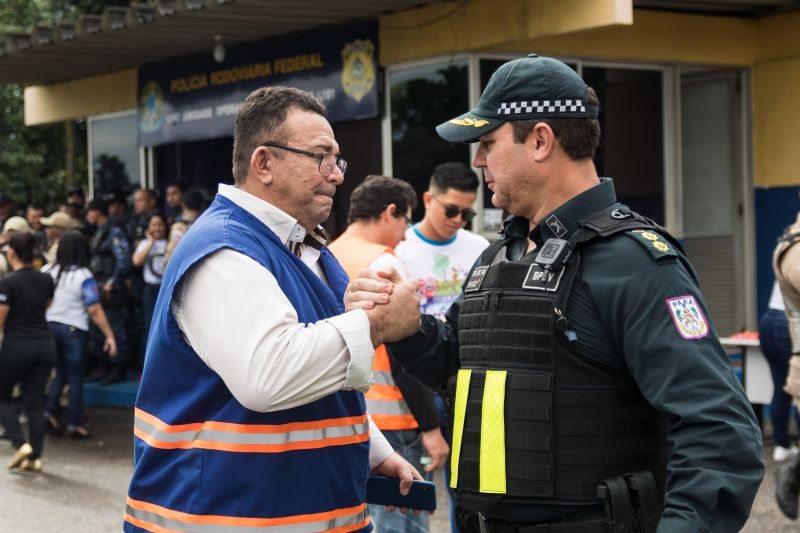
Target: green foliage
(33,159)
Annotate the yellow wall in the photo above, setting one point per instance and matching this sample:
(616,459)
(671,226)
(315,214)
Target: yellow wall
(80,98)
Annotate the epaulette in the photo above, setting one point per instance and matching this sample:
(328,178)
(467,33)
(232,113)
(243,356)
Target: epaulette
(653,243)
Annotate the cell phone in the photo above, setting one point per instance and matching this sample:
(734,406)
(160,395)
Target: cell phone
(386,491)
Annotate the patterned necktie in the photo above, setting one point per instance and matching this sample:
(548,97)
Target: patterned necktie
(315,240)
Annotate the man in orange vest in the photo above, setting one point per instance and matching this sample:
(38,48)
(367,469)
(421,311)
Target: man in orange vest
(402,408)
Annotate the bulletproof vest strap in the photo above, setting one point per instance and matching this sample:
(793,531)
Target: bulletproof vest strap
(459,412)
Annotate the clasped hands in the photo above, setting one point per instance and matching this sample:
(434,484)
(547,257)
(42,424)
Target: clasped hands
(391,304)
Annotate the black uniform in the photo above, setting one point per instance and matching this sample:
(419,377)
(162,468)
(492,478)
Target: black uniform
(632,323)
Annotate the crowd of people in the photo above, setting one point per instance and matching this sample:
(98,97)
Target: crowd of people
(78,288)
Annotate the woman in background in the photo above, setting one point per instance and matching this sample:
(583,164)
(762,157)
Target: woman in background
(76,300)
(149,255)
(28,352)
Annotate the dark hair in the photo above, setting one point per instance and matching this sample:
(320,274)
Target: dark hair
(375,193)
(179,184)
(23,243)
(160,215)
(454,175)
(579,137)
(194,199)
(260,119)
(98,205)
(72,252)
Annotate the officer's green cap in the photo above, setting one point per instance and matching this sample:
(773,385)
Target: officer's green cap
(529,88)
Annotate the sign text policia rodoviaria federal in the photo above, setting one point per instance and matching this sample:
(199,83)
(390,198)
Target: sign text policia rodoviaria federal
(193,98)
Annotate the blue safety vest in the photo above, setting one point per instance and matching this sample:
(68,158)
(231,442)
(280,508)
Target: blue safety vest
(203,462)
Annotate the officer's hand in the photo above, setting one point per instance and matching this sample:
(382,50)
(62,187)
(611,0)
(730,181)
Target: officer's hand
(437,448)
(398,318)
(369,288)
(396,466)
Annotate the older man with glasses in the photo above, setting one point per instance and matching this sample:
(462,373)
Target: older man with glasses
(250,412)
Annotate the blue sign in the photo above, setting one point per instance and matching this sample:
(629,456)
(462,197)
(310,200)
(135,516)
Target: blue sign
(193,97)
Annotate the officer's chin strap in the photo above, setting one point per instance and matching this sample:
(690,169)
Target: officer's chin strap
(630,502)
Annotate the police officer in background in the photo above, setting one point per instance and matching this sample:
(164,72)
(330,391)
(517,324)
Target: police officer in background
(587,387)
(110,265)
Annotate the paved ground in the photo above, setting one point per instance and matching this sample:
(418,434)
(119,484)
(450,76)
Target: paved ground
(84,484)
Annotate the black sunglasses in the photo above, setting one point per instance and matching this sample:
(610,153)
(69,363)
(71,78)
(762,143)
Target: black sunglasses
(326,161)
(452,211)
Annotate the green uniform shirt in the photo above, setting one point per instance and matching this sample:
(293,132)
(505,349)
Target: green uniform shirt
(636,310)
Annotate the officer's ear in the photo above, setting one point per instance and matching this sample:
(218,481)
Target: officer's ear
(542,141)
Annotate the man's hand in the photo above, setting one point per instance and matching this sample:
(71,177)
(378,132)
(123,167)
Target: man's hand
(398,318)
(396,466)
(437,448)
(370,288)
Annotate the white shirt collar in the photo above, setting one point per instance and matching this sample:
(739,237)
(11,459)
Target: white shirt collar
(281,223)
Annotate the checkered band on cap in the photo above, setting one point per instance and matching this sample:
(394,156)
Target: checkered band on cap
(542,106)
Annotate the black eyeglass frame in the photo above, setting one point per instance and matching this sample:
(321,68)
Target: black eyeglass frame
(452,211)
(340,163)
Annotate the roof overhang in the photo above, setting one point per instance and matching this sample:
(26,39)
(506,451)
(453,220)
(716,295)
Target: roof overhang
(127,37)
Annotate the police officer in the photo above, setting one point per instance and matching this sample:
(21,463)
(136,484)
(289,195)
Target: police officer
(587,387)
(110,264)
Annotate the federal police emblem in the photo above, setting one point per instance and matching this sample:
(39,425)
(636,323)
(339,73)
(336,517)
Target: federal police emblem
(151,116)
(687,316)
(358,74)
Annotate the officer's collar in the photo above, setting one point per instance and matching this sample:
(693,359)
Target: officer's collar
(562,222)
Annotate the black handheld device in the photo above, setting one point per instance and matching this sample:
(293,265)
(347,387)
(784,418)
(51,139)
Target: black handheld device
(386,491)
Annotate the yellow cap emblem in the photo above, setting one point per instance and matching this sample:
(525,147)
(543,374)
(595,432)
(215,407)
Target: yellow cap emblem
(469,122)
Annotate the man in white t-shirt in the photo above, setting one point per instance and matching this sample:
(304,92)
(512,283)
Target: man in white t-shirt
(439,252)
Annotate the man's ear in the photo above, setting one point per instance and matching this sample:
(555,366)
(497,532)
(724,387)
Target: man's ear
(542,141)
(262,165)
(426,198)
(389,212)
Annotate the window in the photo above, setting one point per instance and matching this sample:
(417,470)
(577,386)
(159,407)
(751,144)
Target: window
(115,157)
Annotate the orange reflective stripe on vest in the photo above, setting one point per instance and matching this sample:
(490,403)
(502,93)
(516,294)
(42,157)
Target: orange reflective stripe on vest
(254,438)
(385,402)
(162,520)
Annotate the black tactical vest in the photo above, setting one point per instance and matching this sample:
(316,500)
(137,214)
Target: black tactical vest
(565,424)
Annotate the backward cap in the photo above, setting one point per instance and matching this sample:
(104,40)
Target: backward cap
(16,224)
(523,89)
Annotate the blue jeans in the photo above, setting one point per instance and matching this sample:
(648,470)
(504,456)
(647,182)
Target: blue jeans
(408,444)
(773,332)
(71,365)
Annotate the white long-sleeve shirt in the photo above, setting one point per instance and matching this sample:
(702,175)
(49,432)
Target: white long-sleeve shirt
(234,314)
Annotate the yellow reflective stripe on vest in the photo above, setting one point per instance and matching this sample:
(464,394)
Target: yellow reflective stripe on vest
(493,434)
(459,412)
(162,520)
(252,438)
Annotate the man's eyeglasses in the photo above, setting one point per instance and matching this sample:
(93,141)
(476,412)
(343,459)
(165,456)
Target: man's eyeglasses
(327,162)
(452,211)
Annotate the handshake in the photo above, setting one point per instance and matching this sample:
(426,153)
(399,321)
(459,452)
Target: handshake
(391,304)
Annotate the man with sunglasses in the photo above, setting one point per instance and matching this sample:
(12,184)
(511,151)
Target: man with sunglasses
(438,251)
(250,412)
(589,390)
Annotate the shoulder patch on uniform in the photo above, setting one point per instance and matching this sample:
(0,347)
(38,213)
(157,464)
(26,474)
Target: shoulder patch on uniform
(687,317)
(653,243)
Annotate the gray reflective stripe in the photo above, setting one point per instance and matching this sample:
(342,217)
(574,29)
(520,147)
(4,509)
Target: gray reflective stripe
(307,527)
(214,435)
(388,407)
(382,378)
